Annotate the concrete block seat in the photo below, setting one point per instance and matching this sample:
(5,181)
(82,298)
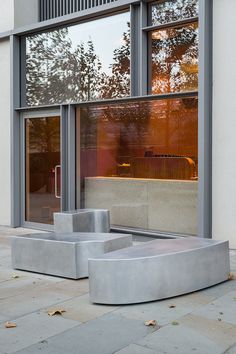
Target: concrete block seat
(157,269)
(64,255)
(82,220)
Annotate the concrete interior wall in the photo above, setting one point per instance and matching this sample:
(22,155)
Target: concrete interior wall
(5,175)
(224,121)
(154,204)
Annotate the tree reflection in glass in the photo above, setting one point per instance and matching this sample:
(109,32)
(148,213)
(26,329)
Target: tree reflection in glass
(79,63)
(174,10)
(175,59)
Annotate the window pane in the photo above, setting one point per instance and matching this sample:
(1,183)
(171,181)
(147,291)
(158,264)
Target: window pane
(139,160)
(175,59)
(42,169)
(174,10)
(79,63)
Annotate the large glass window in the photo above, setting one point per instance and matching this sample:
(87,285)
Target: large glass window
(83,62)
(139,160)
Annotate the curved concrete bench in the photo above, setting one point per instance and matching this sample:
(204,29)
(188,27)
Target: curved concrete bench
(158,269)
(64,255)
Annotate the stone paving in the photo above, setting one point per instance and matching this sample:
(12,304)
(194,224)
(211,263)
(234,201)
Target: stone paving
(203,322)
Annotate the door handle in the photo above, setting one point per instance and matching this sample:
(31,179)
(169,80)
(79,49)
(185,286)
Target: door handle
(55,173)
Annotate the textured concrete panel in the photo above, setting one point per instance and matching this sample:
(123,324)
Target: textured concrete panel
(172,206)
(130,215)
(162,205)
(158,269)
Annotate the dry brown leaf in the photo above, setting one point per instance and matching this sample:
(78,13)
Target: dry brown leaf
(231,276)
(56,312)
(150,323)
(10,325)
(172,306)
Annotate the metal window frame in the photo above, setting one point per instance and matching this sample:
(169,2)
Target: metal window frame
(138,92)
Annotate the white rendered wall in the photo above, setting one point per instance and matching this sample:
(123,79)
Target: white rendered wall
(25,12)
(5,176)
(224,121)
(6,15)
(13,14)
(17,13)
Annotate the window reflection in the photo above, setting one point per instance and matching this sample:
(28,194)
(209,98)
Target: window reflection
(139,160)
(42,170)
(79,63)
(174,10)
(175,59)
(154,139)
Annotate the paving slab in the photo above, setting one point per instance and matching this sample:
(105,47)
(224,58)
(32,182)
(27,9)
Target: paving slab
(220,332)
(220,289)
(32,329)
(105,335)
(71,287)
(17,286)
(81,309)
(135,349)
(222,309)
(180,339)
(42,348)
(163,311)
(86,328)
(30,302)
(231,350)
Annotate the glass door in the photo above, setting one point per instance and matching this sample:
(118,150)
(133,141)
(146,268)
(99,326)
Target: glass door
(42,140)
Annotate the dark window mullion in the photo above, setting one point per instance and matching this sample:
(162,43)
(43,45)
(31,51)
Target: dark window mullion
(171,24)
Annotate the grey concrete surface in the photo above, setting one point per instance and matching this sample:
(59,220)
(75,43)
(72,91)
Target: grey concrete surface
(82,220)
(205,319)
(43,253)
(164,205)
(167,268)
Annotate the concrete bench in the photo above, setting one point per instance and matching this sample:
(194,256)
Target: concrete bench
(158,269)
(64,255)
(82,220)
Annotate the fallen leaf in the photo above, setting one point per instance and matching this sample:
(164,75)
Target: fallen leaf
(231,276)
(10,325)
(171,306)
(15,276)
(219,319)
(150,323)
(56,312)
(221,313)
(174,323)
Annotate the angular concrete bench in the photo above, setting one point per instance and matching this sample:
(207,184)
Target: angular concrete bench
(157,269)
(64,255)
(82,220)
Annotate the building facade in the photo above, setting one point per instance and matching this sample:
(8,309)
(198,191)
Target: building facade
(124,105)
